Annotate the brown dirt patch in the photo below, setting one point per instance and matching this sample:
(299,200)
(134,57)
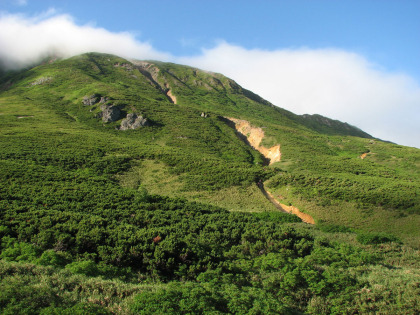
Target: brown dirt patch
(290,209)
(171,96)
(254,135)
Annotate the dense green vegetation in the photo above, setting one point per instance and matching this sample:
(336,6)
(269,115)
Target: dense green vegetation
(99,220)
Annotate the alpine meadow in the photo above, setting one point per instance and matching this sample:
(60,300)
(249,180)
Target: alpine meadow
(144,187)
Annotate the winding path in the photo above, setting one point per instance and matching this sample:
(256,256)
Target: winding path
(284,208)
(253,137)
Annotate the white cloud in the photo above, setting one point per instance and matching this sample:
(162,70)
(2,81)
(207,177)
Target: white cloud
(25,40)
(334,83)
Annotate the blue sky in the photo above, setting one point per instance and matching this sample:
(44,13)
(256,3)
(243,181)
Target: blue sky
(342,59)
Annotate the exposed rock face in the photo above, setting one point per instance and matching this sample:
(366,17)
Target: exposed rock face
(104,99)
(170,95)
(90,100)
(41,81)
(93,99)
(110,113)
(151,72)
(132,121)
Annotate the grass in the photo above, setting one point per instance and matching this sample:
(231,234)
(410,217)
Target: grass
(349,214)
(69,288)
(157,178)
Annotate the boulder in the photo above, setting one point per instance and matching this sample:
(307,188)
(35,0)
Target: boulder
(90,100)
(132,121)
(110,113)
(104,99)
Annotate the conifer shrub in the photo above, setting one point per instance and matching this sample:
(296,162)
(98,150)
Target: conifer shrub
(366,238)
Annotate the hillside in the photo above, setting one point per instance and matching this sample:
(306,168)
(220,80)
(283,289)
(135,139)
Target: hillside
(146,182)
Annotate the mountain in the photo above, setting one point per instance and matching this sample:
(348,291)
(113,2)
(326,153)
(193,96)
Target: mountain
(147,181)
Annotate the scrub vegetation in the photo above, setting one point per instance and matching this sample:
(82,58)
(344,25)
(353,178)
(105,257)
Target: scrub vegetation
(170,217)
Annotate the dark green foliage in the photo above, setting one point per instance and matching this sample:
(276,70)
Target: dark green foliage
(277,217)
(84,267)
(191,298)
(333,228)
(17,297)
(79,308)
(375,238)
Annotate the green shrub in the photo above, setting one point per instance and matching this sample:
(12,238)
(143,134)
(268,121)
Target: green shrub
(375,238)
(50,257)
(277,217)
(84,267)
(18,251)
(17,296)
(78,309)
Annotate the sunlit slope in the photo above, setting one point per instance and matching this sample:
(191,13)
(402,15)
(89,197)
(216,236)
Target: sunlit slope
(336,173)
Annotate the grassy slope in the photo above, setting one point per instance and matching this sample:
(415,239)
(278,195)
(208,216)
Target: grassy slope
(385,188)
(194,149)
(185,155)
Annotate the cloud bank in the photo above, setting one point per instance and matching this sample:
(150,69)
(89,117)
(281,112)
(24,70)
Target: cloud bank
(334,83)
(26,40)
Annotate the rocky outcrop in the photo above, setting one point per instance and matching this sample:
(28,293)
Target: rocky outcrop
(94,99)
(110,113)
(41,81)
(151,72)
(90,100)
(104,99)
(132,121)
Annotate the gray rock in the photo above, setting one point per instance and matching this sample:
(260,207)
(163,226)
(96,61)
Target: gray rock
(41,81)
(104,99)
(90,100)
(132,121)
(110,113)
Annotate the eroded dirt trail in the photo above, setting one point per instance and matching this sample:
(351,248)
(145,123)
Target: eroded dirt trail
(171,96)
(254,136)
(285,208)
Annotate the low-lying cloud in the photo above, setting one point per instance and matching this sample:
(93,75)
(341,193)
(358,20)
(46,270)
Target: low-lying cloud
(24,41)
(331,82)
(335,83)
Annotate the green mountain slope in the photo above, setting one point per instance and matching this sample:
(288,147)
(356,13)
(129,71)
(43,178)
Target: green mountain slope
(145,173)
